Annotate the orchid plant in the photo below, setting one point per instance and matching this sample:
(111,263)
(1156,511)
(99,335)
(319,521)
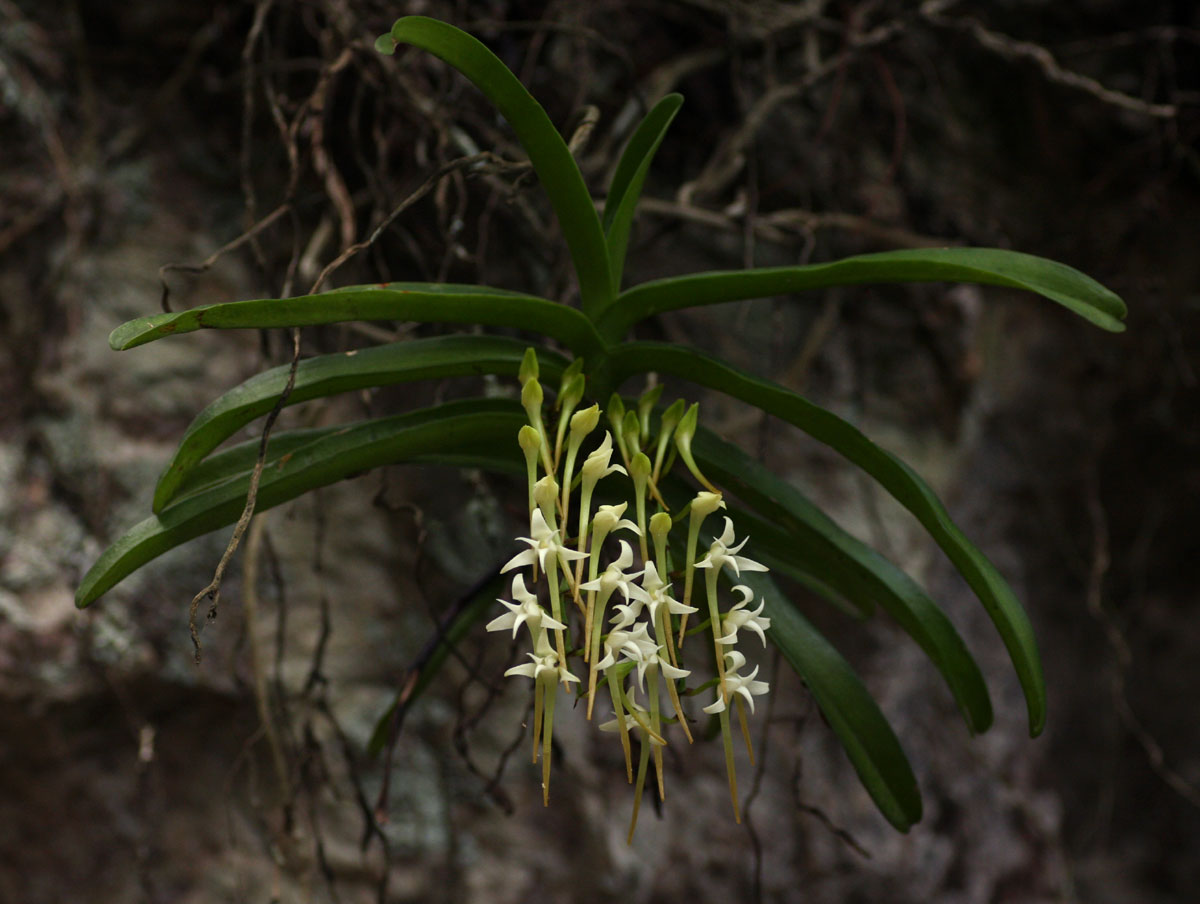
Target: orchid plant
(586,350)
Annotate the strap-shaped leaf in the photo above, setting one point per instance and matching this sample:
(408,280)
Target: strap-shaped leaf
(629,177)
(421,302)
(238,461)
(904,484)
(868,739)
(547,151)
(456,431)
(381,365)
(820,547)
(986,266)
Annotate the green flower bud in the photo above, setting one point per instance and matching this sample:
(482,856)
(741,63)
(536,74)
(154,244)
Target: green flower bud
(585,421)
(529,367)
(646,404)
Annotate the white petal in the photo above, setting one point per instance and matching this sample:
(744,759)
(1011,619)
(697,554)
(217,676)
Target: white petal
(528,670)
(741,562)
(671,671)
(519,592)
(520,560)
(746,595)
(726,539)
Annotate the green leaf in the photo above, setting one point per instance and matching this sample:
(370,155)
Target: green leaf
(986,266)
(382,365)
(819,547)
(547,151)
(904,484)
(629,177)
(237,461)
(468,431)
(853,715)
(421,302)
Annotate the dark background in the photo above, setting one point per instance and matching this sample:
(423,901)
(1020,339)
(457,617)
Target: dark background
(139,135)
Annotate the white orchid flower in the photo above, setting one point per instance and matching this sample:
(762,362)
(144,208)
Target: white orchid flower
(542,542)
(614,577)
(597,464)
(743,685)
(632,722)
(655,594)
(664,666)
(542,663)
(608,519)
(742,617)
(723,553)
(526,610)
(635,645)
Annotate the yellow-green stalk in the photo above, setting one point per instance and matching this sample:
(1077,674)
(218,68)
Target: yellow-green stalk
(666,431)
(531,442)
(570,394)
(702,506)
(646,403)
(639,470)
(582,423)
(685,432)
(531,400)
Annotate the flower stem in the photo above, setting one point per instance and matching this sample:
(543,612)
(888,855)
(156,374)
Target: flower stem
(547,735)
(539,697)
(689,573)
(656,721)
(741,710)
(730,770)
(556,608)
(619,711)
(641,784)
(595,622)
(714,615)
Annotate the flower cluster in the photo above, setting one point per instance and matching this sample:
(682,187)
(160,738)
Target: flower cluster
(631,627)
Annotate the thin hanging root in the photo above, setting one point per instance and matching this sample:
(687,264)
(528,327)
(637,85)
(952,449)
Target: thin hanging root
(741,708)
(619,712)
(637,792)
(730,770)
(548,733)
(538,702)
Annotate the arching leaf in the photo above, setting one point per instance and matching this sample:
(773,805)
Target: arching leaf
(626,188)
(821,548)
(986,266)
(864,733)
(904,484)
(547,151)
(421,302)
(456,431)
(381,365)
